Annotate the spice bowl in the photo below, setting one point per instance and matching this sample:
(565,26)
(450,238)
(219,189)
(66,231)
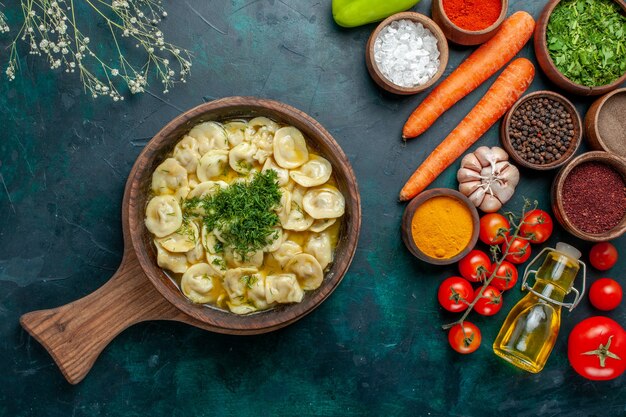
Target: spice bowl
(560,193)
(549,68)
(605,124)
(462,36)
(512,139)
(460,211)
(377,74)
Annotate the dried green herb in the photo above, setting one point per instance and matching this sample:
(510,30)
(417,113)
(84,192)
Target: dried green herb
(587,41)
(243,213)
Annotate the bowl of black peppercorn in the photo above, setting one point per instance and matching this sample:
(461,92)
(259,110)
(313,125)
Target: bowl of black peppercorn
(541,131)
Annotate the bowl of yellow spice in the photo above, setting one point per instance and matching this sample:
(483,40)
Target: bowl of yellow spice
(440,226)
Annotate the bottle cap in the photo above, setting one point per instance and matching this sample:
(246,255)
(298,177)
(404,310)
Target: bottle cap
(568,250)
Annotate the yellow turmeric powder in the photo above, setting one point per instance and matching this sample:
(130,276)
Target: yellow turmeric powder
(442,227)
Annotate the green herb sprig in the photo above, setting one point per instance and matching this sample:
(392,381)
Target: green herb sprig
(243,213)
(587,41)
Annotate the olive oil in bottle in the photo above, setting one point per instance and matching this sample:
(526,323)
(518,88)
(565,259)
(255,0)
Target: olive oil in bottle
(531,328)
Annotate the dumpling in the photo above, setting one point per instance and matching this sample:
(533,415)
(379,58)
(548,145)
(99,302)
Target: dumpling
(260,127)
(256,291)
(186,153)
(235,131)
(214,251)
(212,164)
(319,246)
(175,262)
(235,259)
(290,149)
(207,188)
(163,215)
(294,218)
(274,240)
(210,135)
(282,173)
(197,284)
(283,288)
(183,239)
(241,158)
(320,225)
(170,178)
(324,202)
(240,309)
(316,171)
(287,250)
(196,255)
(307,269)
(235,281)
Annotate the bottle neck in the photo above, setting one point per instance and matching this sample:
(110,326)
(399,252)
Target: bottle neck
(549,290)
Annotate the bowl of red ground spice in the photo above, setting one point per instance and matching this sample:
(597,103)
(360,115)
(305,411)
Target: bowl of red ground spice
(469,22)
(589,196)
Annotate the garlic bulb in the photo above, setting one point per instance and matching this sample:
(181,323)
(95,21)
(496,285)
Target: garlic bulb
(487,178)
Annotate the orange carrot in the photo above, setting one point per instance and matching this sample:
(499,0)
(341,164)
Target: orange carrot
(478,67)
(505,91)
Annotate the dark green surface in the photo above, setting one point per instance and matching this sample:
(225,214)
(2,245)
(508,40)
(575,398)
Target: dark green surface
(374,347)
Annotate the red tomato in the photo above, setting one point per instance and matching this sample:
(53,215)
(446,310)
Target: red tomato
(454,294)
(494,228)
(519,251)
(597,348)
(537,226)
(464,339)
(605,294)
(506,276)
(490,303)
(603,256)
(475,266)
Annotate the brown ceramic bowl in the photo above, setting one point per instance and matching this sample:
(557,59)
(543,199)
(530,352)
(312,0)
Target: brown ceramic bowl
(462,36)
(76,333)
(593,128)
(616,163)
(548,67)
(506,140)
(378,76)
(409,212)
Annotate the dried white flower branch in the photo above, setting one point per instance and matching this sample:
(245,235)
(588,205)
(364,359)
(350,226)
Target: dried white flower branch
(51,29)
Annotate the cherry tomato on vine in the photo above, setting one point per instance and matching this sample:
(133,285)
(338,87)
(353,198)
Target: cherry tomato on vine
(537,226)
(490,303)
(519,251)
(506,276)
(475,266)
(464,339)
(494,228)
(455,293)
(605,294)
(596,348)
(603,256)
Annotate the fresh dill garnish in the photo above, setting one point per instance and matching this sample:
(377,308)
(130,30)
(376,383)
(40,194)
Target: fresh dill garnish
(218,248)
(249,280)
(219,263)
(242,213)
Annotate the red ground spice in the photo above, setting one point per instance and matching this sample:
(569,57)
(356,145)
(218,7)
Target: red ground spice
(594,197)
(472,15)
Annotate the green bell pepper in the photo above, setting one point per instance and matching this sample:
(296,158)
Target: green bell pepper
(351,13)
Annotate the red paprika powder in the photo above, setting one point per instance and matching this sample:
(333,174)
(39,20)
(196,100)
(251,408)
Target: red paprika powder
(472,15)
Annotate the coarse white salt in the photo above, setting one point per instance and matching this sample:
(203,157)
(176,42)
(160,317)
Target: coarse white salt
(406,53)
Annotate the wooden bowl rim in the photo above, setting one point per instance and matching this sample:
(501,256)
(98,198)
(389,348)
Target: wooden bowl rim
(505,138)
(541,47)
(557,194)
(420,199)
(442,43)
(596,116)
(214,319)
(494,26)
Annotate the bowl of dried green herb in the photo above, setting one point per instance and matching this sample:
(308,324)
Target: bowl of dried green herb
(581,45)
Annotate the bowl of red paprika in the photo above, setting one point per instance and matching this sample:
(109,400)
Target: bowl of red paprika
(469,22)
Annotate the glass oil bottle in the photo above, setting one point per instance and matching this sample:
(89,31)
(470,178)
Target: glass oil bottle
(531,328)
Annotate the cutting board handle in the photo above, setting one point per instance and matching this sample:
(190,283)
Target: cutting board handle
(76,333)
